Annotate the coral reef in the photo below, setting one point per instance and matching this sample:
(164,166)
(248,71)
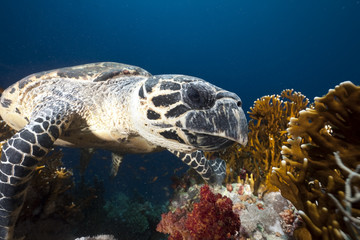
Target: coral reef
(312,156)
(267,133)
(269,217)
(351,197)
(134,216)
(315,180)
(210,218)
(263,217)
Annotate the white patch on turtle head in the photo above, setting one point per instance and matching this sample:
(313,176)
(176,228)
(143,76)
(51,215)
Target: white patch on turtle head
(184,113)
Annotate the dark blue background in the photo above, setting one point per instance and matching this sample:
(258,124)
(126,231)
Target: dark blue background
(253,48)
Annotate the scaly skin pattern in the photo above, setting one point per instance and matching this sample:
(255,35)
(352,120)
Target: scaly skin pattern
(20,156)
(117,107)
(213,171)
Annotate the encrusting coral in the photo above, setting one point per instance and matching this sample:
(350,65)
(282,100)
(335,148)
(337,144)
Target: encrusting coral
(212,218)
(312,177)
(133,218)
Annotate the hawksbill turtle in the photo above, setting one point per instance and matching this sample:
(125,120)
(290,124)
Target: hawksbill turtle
(113,106)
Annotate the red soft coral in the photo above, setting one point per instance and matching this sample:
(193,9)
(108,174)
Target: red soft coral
(211,218)
(173,223)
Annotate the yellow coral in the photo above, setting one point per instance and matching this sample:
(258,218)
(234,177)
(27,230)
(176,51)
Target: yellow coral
(310,176)
(270,115)
(62,173)
(267,132)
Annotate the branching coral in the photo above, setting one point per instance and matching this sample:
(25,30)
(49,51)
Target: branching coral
(310,176)
(351,197)
(270,115)
(211,218)
(267,132)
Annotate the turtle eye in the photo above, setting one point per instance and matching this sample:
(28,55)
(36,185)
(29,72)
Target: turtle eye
(199,96)
(193,95)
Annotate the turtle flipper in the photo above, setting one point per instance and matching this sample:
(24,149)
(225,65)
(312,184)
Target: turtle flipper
(116,159)
(212,171)
(20,155)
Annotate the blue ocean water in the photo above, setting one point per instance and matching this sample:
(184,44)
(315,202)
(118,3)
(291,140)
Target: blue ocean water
(253,48)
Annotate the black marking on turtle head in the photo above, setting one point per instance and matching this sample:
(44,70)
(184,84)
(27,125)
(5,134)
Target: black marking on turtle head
(23,82)
(150,83)
(152,115)
(177,111)
(12,90)
(17,111)
(5,103)
(171,134)
(166,100)
(166,85)
(178,124)
(161,125)
(141,92)
(191,137)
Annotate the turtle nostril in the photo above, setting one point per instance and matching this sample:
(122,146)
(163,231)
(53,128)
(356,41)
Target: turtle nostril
(239,103)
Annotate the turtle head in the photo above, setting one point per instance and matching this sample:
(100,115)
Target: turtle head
(185,113)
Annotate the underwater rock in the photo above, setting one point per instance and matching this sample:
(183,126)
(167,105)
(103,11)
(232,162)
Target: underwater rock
(269,217)
(98,237)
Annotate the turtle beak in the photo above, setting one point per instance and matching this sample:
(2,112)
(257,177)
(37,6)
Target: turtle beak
(220,126)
